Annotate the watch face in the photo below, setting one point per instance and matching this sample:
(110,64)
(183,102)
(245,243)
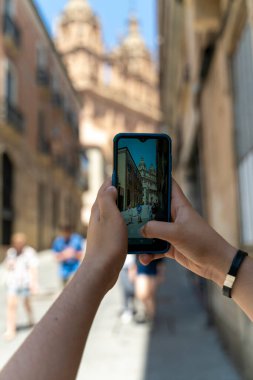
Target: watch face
(142,166)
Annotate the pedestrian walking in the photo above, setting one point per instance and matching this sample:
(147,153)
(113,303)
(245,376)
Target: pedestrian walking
(150,214)
(21,281)
(69,249)
(127,281)
(154,210)
(139,211)
(147,279)
(129,214)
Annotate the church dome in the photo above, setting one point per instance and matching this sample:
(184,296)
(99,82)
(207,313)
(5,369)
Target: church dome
(77,10)
(133,44)
(142,165)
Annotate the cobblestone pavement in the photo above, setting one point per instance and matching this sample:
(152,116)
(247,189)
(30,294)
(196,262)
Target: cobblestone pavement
(179,345)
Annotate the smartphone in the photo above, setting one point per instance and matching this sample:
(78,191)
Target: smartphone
(142,176)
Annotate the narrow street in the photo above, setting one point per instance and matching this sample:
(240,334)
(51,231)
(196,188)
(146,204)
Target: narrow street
(178,346)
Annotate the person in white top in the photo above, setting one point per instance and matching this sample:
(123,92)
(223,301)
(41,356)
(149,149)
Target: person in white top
(21,280)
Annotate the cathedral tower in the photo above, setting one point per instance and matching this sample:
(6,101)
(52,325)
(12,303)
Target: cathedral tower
(134,69)
(79,41)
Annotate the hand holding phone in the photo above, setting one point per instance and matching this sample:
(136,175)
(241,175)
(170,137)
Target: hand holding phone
(142,176)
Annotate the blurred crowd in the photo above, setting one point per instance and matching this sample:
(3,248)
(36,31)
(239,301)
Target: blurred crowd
(21,271)
(138,283)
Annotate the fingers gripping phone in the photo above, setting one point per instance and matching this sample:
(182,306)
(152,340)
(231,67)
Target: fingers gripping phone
(142,176)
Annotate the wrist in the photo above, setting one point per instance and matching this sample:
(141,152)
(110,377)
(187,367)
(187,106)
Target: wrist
(93,267)
(221,268)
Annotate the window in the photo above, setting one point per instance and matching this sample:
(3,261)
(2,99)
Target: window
(42,57)
(9,8)
(14,116)
(42,73)
(7,199)
(242,69)
(11,29)
(57,97)
(43,141)
(11,83)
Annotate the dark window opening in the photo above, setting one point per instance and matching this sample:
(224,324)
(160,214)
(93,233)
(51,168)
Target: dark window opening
(7,200)
(43,140)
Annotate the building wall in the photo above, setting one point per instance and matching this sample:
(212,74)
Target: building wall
(219,148)
(202,122)
(122,165)
(130,180)
(118,88)
(45,160)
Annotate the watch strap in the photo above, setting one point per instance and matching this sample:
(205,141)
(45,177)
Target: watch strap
(232,273)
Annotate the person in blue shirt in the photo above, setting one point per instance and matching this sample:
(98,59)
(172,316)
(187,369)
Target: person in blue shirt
(69,249)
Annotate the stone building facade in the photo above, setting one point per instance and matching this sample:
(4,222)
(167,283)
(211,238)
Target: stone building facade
(118,88)
(149,183)
(206,56)
(130,181)
(39,143)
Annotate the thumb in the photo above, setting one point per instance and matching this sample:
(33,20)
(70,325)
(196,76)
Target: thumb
(107,202)
(161,230)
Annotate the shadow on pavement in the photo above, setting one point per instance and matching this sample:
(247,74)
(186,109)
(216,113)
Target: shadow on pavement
(182,344)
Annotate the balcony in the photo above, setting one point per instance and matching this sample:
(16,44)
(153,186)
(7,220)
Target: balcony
(12,116)
(12,35)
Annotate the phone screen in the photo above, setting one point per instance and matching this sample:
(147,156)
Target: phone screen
(143,179)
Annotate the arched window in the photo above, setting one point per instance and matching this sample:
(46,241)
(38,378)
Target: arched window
(7,199)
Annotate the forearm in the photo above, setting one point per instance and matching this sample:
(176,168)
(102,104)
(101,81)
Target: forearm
(58,340)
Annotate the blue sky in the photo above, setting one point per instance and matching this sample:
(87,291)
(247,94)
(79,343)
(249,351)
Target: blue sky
(113,15)
(139,149)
